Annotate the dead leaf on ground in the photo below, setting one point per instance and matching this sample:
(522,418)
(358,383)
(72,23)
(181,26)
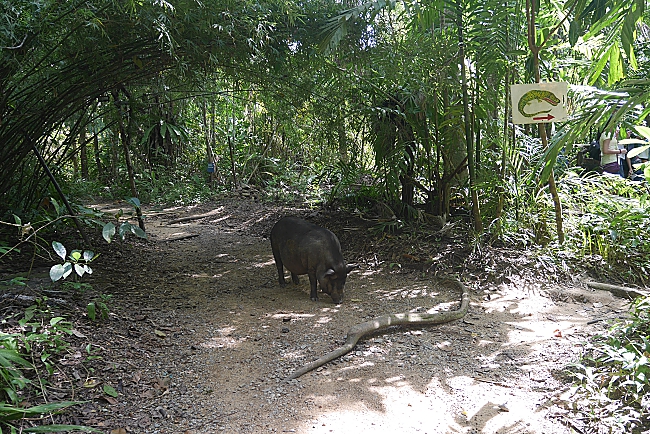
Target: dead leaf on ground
(92,382)
(160,334)
(162,383)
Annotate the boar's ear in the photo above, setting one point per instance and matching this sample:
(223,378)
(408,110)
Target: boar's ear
(351,267)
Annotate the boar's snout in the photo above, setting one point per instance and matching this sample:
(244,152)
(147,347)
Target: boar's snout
(337,296)
(333,285)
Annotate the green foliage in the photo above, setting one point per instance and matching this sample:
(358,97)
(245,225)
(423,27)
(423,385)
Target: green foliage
(41,335)
(98,308)
(167,187)
(12,378)
(77,261)
(613,377)
(608,216)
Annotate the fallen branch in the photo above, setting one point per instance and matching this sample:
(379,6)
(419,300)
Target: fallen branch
(619,291)
(180,237)
(356,332)
(195,217)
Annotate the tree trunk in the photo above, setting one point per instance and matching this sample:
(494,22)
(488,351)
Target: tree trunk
(231,147)
(83,154)
(208,143)
(469,142)
(504,156)
(126,144)
(343,140)
(534,48)
(98,162)
(115,143)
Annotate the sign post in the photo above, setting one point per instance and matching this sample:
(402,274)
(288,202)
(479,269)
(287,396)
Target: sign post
(539,103)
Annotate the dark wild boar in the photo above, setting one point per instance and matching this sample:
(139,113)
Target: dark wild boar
(305,248)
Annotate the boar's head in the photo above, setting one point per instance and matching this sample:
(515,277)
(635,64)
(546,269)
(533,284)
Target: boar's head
(333,281)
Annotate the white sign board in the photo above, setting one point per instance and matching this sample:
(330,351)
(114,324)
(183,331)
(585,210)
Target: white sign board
(538,103)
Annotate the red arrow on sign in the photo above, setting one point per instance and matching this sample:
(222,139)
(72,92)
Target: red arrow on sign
(544,118)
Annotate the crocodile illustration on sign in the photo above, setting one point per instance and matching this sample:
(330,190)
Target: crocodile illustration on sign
(539,95)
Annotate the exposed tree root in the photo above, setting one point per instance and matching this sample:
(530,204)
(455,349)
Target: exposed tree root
(356,332)
(620,291)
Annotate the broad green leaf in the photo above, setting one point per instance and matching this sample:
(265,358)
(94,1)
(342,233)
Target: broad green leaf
(139,232)
(67,269)
(79,269)
(59,249)
(134,201)
(54,321)
(124,228)
(90,308)
(56,272)
(88,255)
(17,220)
(108,231)
(110,391)
(75,255)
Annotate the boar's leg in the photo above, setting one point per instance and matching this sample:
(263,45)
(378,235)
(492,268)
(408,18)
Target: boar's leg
(312,283)
(278,263)
(295,278)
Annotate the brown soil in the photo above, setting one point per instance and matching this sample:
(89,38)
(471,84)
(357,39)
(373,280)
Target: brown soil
(200,335)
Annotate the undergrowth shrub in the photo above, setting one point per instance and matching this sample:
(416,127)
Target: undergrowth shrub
(608,217)
(613,377)
(27,348)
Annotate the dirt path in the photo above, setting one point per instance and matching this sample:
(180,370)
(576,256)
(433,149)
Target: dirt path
(200,337)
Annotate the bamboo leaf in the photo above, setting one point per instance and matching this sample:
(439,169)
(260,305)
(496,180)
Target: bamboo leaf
(574,32)
(615,65)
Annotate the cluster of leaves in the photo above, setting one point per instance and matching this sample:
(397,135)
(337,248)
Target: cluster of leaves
(613,379)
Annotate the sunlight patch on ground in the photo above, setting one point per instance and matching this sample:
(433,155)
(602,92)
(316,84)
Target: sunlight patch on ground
(458,405)
(225,339)
(223,342)
(282,315)
(404,411)
(209,276)
(264,264)
(530,330)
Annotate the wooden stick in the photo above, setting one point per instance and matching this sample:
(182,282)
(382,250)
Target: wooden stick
(356,332)
(195,217)
(619,291)
(180,237)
